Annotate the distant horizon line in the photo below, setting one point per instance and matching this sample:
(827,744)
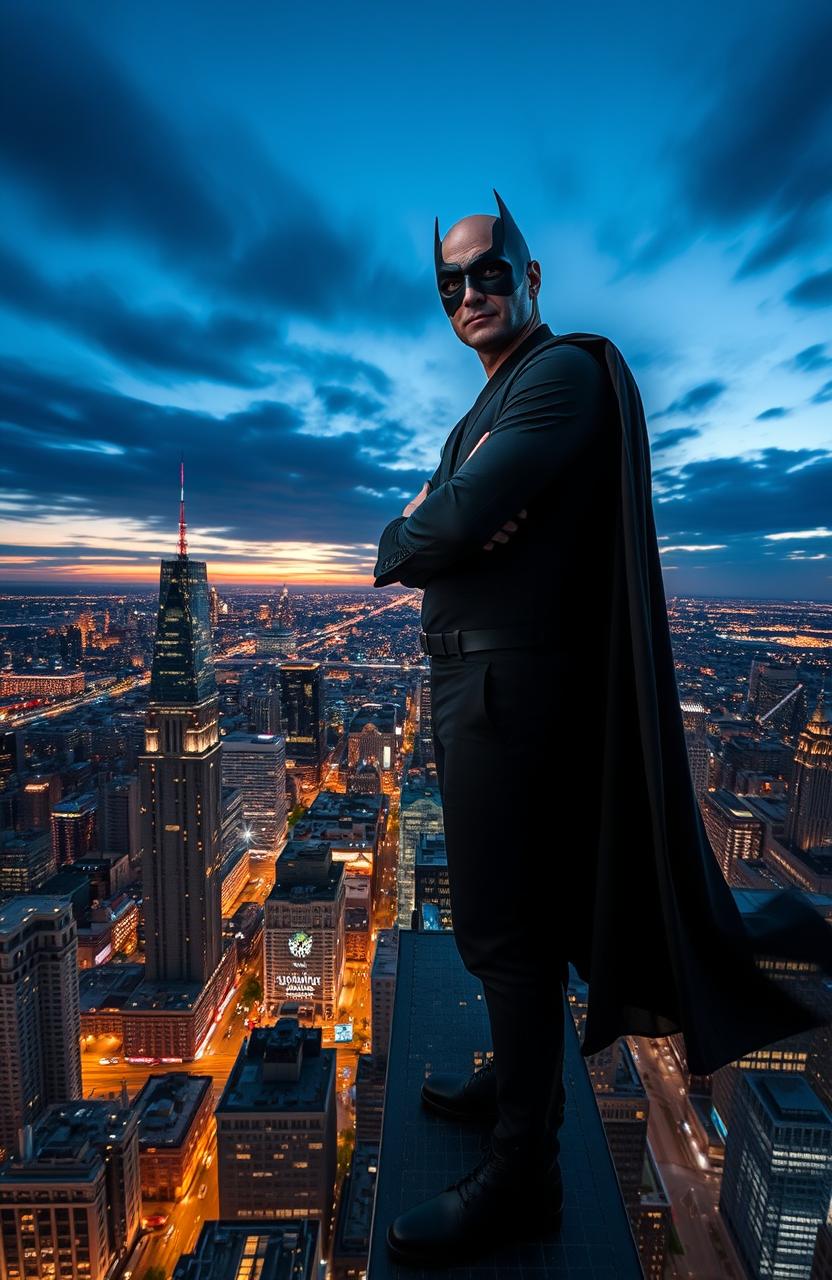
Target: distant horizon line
(107,589)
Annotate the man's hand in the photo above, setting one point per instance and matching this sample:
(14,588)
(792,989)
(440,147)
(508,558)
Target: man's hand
(417,501)
(510,526)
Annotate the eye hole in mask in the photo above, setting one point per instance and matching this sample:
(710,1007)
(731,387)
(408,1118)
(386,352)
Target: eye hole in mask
(482,278)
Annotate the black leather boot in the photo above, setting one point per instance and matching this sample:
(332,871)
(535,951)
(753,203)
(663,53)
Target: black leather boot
(473,1097)
(508,1195)
(460,1097)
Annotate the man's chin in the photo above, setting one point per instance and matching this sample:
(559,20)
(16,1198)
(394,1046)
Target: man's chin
(485,337)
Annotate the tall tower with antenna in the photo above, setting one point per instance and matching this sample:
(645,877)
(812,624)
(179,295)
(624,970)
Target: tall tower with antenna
(183,541)
(179,779)
(809,820)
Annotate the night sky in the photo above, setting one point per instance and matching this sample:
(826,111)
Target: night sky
(217,240)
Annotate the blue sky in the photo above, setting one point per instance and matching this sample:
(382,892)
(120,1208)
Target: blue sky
(218,238)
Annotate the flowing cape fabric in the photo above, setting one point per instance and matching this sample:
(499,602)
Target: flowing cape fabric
(667,948)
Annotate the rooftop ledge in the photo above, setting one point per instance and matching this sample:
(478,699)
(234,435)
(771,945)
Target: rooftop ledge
(440,1021)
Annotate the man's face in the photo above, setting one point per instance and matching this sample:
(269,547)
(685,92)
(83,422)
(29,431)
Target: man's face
(478,284)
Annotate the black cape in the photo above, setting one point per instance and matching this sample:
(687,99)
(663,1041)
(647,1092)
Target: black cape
(667,948)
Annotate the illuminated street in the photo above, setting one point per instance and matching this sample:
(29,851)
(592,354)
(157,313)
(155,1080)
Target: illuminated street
(692,1183)
(162,1247)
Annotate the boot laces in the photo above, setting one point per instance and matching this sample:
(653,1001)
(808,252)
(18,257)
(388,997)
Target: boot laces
(468,1183)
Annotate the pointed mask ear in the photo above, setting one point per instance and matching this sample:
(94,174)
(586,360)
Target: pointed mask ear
(437,244)
(513,238)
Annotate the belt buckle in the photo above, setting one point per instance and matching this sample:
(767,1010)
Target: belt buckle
(453,653)
(423,641)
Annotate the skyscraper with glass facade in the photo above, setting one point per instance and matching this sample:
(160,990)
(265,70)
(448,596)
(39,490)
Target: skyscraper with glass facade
(180,784)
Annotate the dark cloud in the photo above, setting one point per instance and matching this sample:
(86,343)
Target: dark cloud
(757,156)
(221,347)
(809,359)
(814,291)
(699,397)
(58,555)
(96,155)
(670,439)
(776,411)
(346,400)
(91,148)
(797,231)
(312,268)
(823,394)
(256,473)
(335,364)
(776,490)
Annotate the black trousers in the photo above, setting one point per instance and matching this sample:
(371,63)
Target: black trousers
(502,729)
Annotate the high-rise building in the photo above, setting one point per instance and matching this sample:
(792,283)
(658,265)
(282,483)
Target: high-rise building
(74,827)
(304,722)
(118,816)
(27,859)
(276,1127)
(753,764)
(37,797)
(40,1019)
(420,810)
(425,703)
(383,990)
(285,614)
(696,741)
(233,819)
(189,966)
(279,639)
(375,733)
(266,712)
(256,763)
(809,824)
(777,1177)
(180,783)
(213,606)
(432,890)
(303,929)
(776,696)
(8,757)
(70,1201)
(274,643)
(734,830)
(176,1125)
(71,644)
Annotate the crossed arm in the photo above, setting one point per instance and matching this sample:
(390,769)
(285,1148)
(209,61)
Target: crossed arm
(553,411)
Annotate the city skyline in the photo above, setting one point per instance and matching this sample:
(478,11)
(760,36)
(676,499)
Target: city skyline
(278,1124)
(233,263)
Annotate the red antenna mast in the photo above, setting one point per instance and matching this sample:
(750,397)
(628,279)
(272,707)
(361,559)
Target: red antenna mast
(183,545)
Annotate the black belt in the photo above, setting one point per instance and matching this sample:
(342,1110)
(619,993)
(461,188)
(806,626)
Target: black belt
(455,643)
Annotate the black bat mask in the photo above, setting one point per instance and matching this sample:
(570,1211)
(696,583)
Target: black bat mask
(500,269)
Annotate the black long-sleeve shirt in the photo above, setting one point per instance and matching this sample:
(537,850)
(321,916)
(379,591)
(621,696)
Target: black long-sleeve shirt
(553,447)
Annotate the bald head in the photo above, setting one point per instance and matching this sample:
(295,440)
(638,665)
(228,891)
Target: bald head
(468,238)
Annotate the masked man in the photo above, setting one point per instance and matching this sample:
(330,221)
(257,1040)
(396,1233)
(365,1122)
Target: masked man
(558,735)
